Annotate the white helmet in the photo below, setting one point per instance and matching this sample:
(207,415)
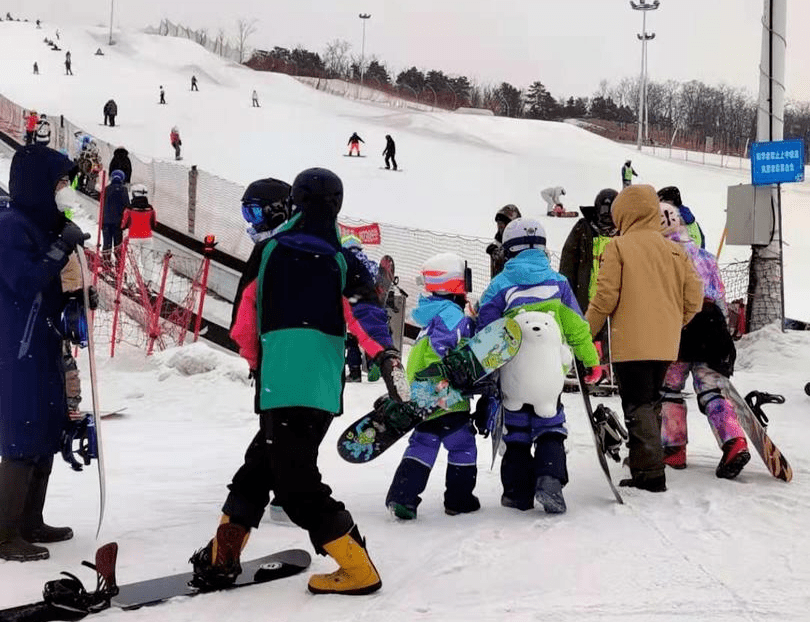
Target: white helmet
(444,273)
(670,218)
(521,234)
(139,190)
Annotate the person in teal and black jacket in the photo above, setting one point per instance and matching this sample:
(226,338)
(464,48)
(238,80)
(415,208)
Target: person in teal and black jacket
(291,328)
(529,283)
(441,317)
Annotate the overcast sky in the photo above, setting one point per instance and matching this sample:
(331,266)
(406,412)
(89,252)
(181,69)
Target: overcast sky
(569,45)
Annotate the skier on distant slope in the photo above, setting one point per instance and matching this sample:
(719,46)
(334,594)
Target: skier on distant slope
(529,283)
(707,352)
(354,143)
(306,289)
(174,139)
(440,315)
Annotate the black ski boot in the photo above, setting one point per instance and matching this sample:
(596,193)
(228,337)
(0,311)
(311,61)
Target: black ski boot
(14,548)
(32,527)
(216,565)
(355,375)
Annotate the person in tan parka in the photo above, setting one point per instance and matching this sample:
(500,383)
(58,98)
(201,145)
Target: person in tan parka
(648,288)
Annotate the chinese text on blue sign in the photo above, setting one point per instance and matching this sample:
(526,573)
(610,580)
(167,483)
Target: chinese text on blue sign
(777,162)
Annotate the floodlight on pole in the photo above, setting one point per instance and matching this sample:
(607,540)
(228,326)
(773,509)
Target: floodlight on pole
(643,37)
(364,17)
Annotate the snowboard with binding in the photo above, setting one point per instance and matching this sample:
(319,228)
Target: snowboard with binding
(431,391)
(67,599)
(754,421)
(96,412)
(608,433)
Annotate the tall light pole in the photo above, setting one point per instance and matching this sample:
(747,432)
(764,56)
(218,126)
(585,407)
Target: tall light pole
(112,4)
(364,17)
(643,37)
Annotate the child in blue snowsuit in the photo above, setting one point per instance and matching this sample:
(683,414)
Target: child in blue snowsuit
(529,283)
(441,316)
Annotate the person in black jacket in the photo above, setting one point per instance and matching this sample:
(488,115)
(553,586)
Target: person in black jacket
(581,256)
(390,152)
(121,162)
(497,259)
(354,143)
(110,112)
(116,200)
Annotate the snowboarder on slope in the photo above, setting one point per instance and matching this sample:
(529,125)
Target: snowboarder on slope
(707,352)
(390,152)
(647,286)
(529,283)
(305,291)
(110,112)
(174,139)
(354,143)
(553,198)
(440,315)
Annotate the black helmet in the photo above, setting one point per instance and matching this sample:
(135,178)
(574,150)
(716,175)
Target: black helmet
(317,192)
(602,211)
(264,203)
(670,194)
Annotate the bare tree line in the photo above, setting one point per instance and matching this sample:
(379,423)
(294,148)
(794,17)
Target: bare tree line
(694,114)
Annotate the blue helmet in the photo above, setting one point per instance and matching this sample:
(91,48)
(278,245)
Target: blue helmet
(117,176)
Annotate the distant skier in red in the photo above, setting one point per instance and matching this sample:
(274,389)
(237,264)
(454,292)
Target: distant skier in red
(174,138)
(354,144)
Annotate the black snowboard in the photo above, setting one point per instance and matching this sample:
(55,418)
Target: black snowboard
(269,568)
(155,591)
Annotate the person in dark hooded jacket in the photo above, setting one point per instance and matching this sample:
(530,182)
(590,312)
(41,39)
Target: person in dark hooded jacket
(110,112)
(503,217)
(121,162)
(36,240)
(116,200)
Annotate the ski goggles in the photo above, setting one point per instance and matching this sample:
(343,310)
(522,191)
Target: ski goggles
(256,214)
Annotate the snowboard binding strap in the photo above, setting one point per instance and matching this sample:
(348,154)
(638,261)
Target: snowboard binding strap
(755,400)
(69,593)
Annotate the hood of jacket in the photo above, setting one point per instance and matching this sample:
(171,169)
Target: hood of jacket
(35,170)
(120,152)
(430,307)
(636,208)
(530,266)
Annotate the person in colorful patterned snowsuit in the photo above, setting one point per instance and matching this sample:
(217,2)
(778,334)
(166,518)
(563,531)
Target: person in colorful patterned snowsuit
(440,314)
(707,352)
(529,283)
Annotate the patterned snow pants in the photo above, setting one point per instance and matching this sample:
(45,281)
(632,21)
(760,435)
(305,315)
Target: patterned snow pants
(718,410)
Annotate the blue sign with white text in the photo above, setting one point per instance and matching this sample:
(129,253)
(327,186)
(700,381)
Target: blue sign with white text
(777,162)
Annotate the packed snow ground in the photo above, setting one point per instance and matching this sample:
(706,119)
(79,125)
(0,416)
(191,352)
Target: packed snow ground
(707,549)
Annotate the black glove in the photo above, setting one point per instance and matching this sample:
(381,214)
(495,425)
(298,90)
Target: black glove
(399,389)
(92,297)
(481,416)
(71,237)
(461,369)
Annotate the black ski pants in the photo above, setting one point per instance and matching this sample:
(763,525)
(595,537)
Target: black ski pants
(390,159)
(283,458)
(640,384)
